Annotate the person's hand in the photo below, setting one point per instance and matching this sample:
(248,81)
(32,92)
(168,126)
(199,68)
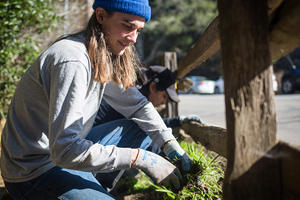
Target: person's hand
(187,119)
(158,169)
(173,150)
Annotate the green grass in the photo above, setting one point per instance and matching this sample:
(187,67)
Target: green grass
(203,182)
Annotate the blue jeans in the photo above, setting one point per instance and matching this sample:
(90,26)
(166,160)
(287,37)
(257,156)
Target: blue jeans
(60,183)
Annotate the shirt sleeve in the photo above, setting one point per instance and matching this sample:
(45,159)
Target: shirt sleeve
(135,106)
(68,88)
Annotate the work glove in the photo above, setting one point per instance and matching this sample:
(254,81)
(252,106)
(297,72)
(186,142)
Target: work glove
(158,169)
(187,119)
(173,150)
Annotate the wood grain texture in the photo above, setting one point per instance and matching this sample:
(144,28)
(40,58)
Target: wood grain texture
(206,46)
(284,33)
(249,99)
(212,138)
(170,61)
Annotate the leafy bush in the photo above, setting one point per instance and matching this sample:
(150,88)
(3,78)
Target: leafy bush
(21,21)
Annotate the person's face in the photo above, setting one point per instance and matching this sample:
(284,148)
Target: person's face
(157,97)
(120,29)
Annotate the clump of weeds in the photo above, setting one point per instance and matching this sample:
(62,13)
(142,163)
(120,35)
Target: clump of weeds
(203,181)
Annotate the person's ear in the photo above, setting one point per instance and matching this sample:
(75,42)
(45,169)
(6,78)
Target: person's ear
(152,87)
(100,14)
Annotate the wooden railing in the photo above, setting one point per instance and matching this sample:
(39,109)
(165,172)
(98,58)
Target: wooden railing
(251,34)
(283,36)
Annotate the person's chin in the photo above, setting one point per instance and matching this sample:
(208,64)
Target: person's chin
(119,52)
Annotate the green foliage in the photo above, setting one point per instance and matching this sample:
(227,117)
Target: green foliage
(21,20)
(177,17)
(143,183)
(205,182)
(134,185)
(178,23)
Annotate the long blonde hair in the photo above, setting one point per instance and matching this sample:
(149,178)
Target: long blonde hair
(106,66)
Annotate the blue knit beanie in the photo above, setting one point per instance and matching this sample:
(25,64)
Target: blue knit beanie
(136,7)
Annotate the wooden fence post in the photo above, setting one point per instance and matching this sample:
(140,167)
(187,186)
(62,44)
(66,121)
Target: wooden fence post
(252,171)
(170,61)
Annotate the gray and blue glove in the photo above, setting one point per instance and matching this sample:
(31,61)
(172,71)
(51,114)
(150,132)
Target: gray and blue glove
(160,170)
(189,118)
(173,150)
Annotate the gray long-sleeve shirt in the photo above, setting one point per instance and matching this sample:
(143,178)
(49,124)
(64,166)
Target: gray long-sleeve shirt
(53,109)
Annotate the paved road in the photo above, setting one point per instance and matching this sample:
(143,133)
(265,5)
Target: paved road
(211,109)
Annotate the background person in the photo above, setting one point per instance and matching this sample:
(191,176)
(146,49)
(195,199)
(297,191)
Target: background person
(49,148)
(157,83)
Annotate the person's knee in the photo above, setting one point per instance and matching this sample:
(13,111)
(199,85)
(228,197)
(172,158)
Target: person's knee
(87,193)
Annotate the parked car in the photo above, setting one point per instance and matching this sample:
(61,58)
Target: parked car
(275,84)
(202,85)
(219,85)
(290,81)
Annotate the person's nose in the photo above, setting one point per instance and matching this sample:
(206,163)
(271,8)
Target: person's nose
(132,36)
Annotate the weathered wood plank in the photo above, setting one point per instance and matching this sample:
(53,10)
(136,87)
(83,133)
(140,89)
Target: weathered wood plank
(212,138)
(170,61)
(249,100)
(207,45)
(285,29)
